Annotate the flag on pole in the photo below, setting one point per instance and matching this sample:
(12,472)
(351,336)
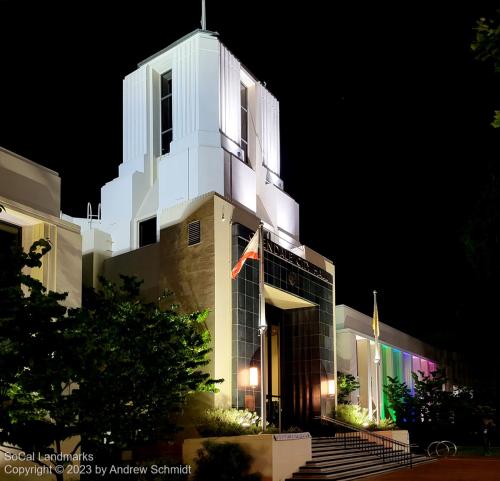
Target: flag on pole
(251,252)
(376,327)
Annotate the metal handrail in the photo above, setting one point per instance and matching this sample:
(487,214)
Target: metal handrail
(390,450)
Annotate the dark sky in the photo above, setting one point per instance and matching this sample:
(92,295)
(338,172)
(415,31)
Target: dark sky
(384,125)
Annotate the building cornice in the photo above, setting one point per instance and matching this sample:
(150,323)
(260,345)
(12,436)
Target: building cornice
(42,216)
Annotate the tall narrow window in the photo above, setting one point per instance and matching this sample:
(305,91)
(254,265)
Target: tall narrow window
(147,232)
(166,112)
(244,119)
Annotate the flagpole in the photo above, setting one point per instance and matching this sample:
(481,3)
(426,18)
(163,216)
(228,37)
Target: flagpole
(377,356)
(262,329)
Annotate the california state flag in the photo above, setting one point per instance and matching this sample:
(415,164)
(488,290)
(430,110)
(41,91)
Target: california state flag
(251,252)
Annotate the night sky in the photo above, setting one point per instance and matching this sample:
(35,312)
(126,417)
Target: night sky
(385,134)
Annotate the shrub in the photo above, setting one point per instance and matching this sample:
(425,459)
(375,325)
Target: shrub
(359,417)
(228,422)
(353,414)
(384,425)
(347,384)
(271,429)
(224,462)
(293,429)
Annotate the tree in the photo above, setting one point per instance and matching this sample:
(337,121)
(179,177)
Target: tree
(140,365)
(486,47)
(115,372)
(400,400)
(347,384)
(36,412)
(432,402)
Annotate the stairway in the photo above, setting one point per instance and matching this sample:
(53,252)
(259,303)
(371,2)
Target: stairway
(350,458)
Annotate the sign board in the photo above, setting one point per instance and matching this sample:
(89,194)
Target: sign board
(291,436)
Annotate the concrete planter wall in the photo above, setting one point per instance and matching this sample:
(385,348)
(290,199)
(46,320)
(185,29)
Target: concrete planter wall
(275,456)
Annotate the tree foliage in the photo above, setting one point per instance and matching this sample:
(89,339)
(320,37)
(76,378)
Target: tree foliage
(140,365)
(431,409)
(116,372)
(486,47)
(347,384)
(429,404)
(35,345)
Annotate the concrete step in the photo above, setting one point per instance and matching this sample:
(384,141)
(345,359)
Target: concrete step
(338,467)
(324,460)
(358,459)
(348,474)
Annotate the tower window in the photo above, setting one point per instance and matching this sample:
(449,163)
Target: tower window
(166,112)
(147,232)
(244,119)
(194,233)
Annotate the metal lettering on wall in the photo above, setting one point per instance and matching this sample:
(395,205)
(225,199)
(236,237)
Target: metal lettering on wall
(294,259)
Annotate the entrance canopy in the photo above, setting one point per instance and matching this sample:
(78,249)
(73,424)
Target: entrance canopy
(284,300)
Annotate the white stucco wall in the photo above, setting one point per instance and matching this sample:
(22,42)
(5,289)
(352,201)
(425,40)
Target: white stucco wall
(206,116)
(30,195)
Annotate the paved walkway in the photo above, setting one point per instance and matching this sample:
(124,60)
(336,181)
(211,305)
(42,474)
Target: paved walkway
(450,469)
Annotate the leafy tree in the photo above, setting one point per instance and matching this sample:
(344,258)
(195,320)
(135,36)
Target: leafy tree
(36,412)
(115,372)
(400,400)
(486,47)
(140,365)
(432,402)
(431,411)
(347,384)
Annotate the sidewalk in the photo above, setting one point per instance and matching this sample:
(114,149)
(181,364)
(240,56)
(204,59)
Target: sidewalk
(449,469)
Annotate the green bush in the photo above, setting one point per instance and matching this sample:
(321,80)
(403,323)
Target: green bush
(384,425)
(359,417)
(293,429)
(271,429)
(228,422)
(353,414)
(224,462)
(347,384)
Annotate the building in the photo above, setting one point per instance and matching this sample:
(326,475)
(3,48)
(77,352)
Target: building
(31,198)
(200,171)
(400,356)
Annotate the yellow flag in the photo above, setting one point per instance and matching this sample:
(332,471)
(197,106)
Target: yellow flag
(375,326)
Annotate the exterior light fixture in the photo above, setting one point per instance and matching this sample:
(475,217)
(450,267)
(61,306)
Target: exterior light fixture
(254,377)
(331,387)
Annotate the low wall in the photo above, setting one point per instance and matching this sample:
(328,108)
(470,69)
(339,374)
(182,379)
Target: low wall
(275,456)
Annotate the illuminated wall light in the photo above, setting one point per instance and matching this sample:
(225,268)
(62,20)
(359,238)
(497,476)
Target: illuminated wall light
(254,377)
(331,387)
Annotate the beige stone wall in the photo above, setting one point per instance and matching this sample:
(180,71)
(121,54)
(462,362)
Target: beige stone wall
(143,263)
(189,273)
(68,265)
(61,268)
(274,460)
(28,183)
(223,319)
